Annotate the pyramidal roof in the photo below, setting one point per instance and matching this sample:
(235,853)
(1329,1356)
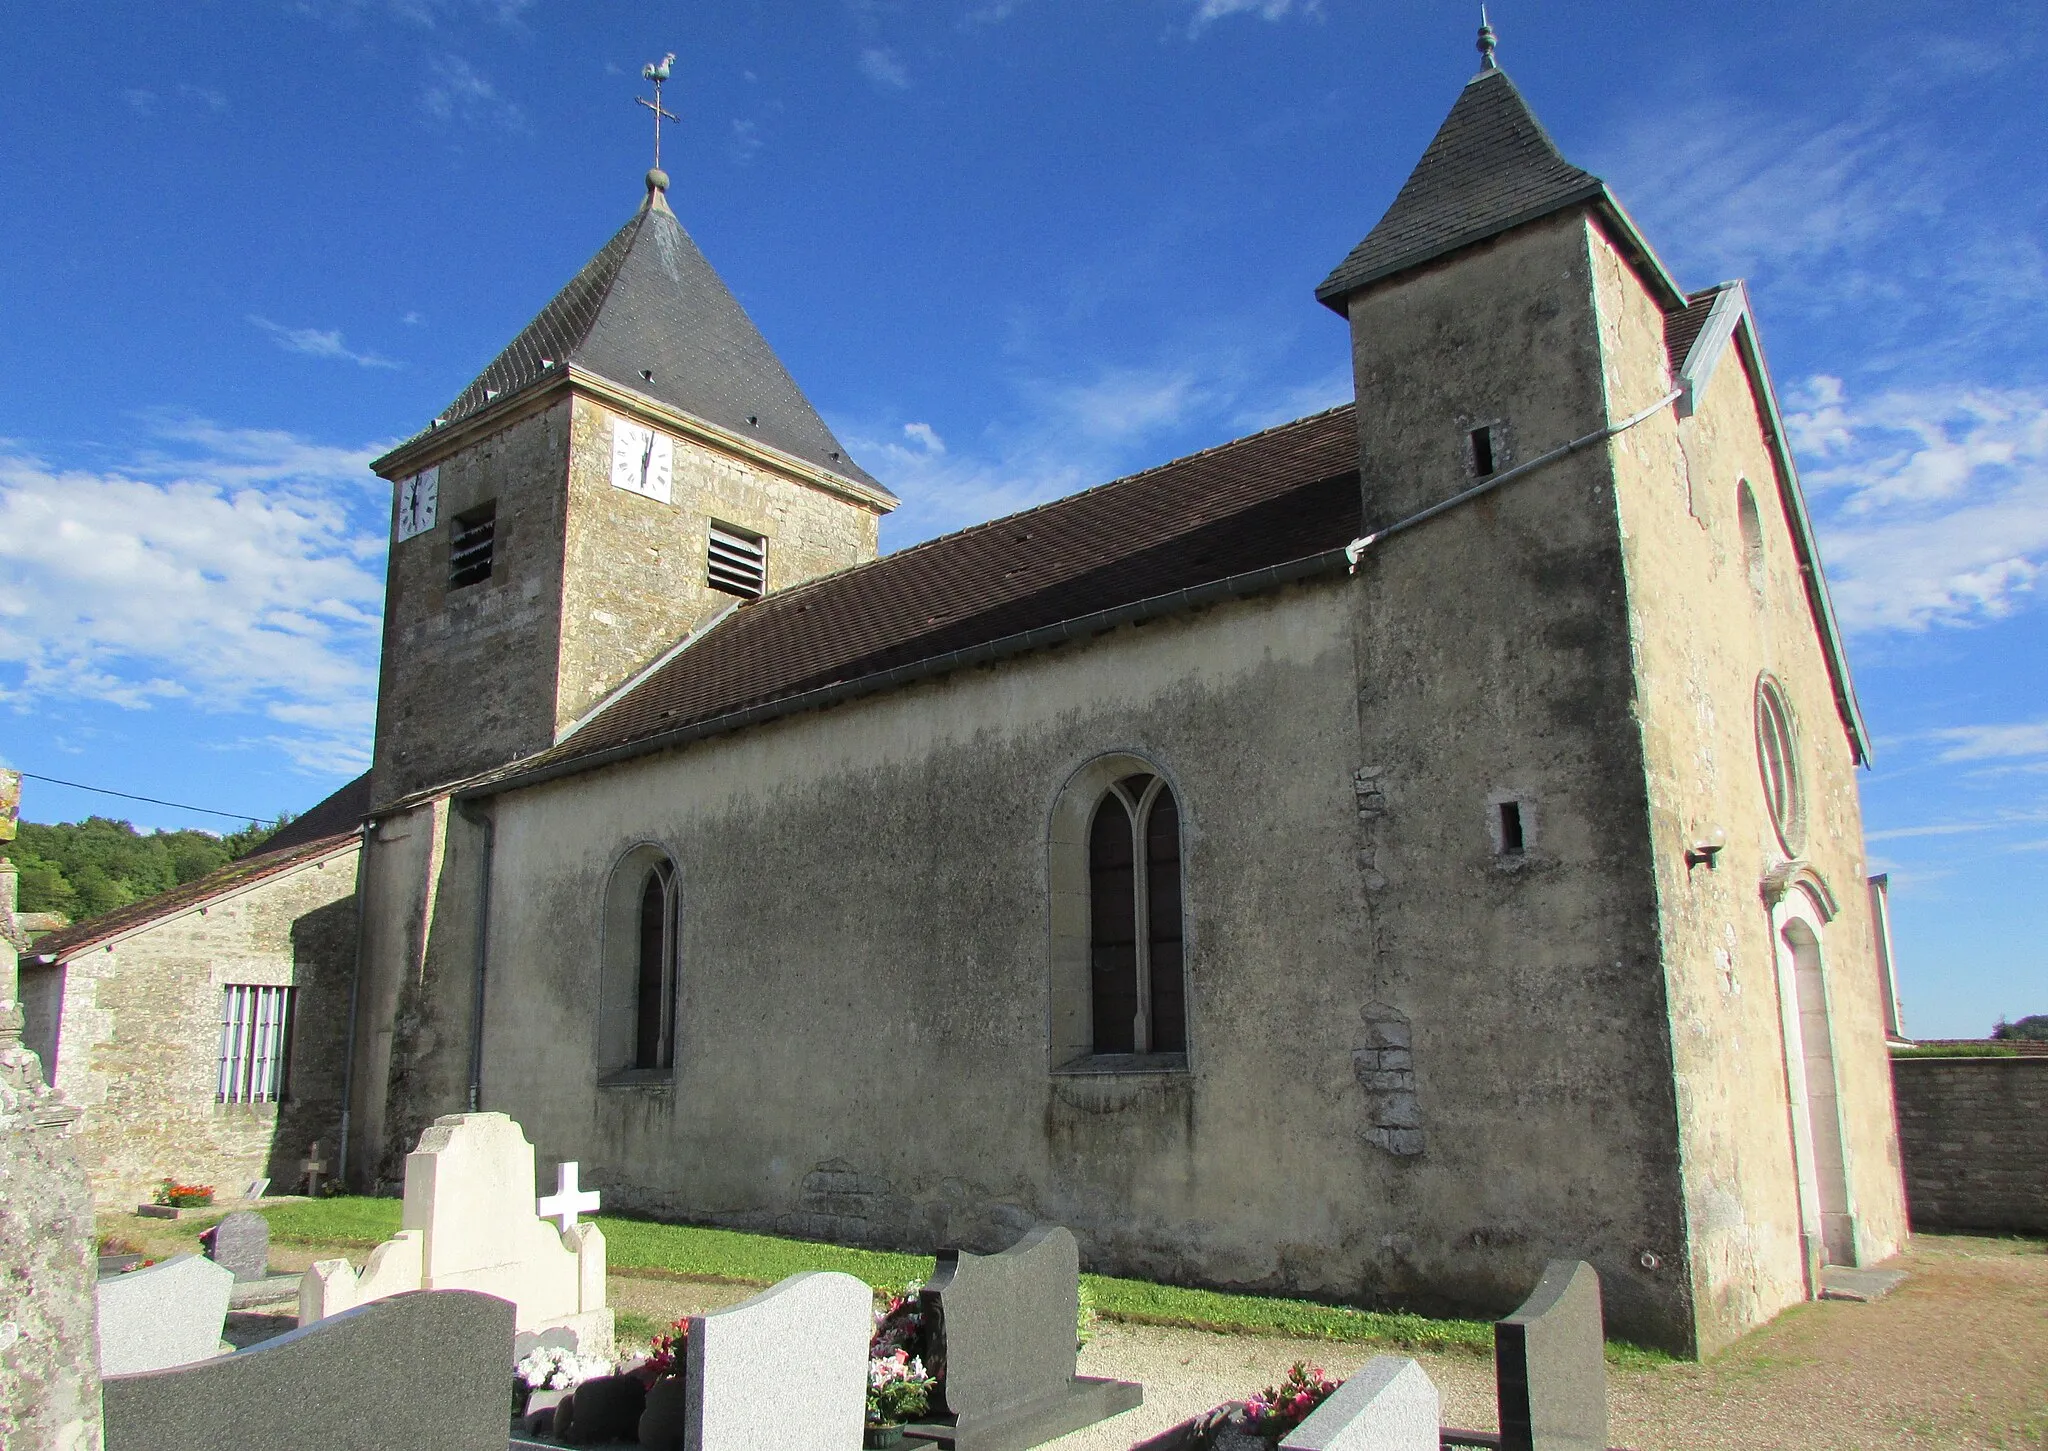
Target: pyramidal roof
(1491,167)
(649,314)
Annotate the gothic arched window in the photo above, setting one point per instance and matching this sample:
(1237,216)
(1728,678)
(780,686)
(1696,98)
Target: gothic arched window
(1137,988)
(639,985)
(655,984)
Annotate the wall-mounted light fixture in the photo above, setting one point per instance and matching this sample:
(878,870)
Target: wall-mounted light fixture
(1707,850)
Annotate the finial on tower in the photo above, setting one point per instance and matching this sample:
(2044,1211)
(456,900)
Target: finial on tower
(1487,41)
(657,71)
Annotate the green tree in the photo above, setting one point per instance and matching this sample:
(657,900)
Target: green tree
(2033,1028)
(86,868)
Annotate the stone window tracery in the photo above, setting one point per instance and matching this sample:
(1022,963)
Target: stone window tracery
(1777,752)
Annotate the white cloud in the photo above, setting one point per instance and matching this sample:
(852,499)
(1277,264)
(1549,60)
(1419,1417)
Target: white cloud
(883,67)
(414,319)
(1208,12)
(206,95)
(143,102)
(925,437)
(246,577)
(1993,742)
(459,93)
(1932,503)
(316,342)
(744,141)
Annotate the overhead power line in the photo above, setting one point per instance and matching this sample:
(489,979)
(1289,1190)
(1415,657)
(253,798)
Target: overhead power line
(153,801)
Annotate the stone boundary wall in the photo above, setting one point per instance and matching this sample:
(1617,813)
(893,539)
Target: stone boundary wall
(1974,1134)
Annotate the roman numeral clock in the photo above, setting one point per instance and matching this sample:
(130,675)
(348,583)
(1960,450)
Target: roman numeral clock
(419,503)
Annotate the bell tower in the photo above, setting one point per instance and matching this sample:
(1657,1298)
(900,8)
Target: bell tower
(633,464)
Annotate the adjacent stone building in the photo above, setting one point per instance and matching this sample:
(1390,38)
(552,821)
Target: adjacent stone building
(204,1030)
(1364,860)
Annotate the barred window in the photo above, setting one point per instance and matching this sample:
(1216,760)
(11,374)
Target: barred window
(255,1040)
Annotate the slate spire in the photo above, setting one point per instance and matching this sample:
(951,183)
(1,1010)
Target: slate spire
(648,314)
(1491,167)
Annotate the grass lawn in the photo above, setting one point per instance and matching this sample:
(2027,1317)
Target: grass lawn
(731,1257)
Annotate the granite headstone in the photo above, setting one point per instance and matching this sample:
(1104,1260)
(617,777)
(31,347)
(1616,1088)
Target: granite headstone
(1009,1325)
(241,1243)
(426,1369)
(1389,1405)
(807,1339)
(167,1315)
(1550,1365)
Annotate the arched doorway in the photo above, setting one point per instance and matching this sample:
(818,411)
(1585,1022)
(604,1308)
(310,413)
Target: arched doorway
(1826,1207)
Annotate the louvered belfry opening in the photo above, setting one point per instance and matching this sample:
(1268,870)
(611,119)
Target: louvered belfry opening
(471,545)
(1137,984)
(255,1042)
(737,562)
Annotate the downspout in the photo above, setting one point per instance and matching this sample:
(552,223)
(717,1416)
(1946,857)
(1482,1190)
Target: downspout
(355,997)
(483,820)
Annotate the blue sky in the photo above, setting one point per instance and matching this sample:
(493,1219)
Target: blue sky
(1010,248)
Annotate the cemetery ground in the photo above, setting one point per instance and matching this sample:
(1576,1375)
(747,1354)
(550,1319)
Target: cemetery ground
(1957,1356)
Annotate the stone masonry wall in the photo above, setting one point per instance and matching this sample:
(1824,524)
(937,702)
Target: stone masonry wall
(139,1041)
(1975,1136)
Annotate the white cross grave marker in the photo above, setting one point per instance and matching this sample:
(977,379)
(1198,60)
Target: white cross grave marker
(568,1200)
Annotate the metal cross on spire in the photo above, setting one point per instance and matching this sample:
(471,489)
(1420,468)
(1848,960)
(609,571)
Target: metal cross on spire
(1487,41)
(657,71)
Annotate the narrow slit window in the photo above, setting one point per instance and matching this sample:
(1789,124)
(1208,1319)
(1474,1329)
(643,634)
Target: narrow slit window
(1511,828)
(737,562)
(255,1042)
(1482,451)
(471,546)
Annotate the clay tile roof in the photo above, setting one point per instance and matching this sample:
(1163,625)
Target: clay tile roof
(1682,328)
(648,303)
(1491,167)
(1275,497)
(236,874)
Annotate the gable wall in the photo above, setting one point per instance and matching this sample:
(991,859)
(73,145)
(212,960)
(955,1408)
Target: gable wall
(1701,635)
(138,1040)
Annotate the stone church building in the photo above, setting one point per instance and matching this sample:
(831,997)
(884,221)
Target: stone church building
(1361,861)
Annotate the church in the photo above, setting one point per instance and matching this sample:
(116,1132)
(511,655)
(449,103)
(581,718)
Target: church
(1361,861)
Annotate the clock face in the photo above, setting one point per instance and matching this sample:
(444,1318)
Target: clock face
(418,503)
(643,461)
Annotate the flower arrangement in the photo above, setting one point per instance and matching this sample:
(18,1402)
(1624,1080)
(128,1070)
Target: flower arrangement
(905,1362)
(665,1357)
(1277,1410)
(550,1368)
(184,1196)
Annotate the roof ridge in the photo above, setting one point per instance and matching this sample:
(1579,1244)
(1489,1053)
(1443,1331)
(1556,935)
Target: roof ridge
(987,524)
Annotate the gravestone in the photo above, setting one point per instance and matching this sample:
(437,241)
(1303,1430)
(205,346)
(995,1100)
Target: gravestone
(241,1243)
(167,1315)
(416,1370)
(314,1168)
(1009,1326)
(1389,1405)
(469,1224)
(807,1339)
(1550,1365)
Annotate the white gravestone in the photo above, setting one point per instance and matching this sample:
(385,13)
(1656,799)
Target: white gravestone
(469,1224)
(1390,1405)
(806,1340)
(167,1315)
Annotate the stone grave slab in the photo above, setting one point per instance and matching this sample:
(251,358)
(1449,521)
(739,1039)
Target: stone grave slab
(1389,1405)
(415,1370)
(167,1315)
(808,1338)
(469,1223)
(1550,1365)
(1009,1324)
(1839,1282)
(241,1243)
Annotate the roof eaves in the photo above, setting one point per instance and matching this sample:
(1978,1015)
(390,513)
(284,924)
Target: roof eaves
(1696,369)
(1804,543)
(62,946)
(1335,291)
(1249,582)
